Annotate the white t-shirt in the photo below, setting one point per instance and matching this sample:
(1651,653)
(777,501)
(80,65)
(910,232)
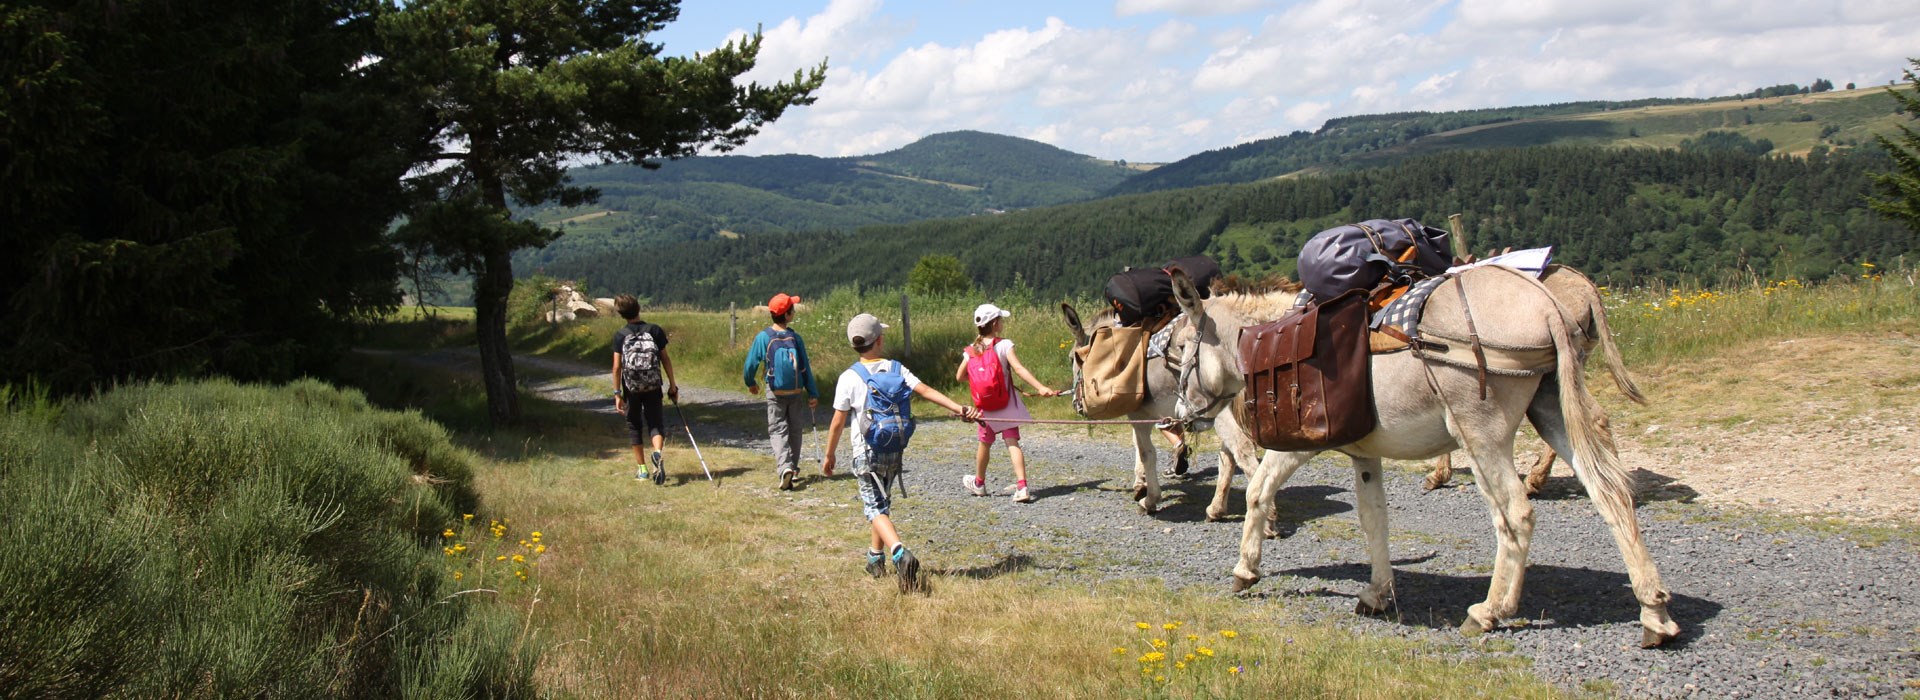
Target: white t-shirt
(850,394)
(1015,408)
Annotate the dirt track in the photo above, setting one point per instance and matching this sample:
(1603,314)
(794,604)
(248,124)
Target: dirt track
(1768,609)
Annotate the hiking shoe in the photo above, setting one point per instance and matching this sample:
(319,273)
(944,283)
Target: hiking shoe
(974,485)
(786,480)
(1021,496)
(1180,462)
(659,470)
(907,568)
(876,564)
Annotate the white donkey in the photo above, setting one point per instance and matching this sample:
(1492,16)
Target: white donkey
(1426,409)
(1236,450)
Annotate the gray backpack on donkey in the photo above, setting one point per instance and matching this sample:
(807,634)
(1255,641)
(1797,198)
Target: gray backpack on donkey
(1358,256)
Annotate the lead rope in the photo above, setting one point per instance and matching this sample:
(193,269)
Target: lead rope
(1479,355)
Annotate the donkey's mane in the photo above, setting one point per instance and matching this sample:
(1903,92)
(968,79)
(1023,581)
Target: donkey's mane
(1255,307)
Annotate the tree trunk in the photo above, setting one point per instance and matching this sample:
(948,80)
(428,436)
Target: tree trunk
(491,285)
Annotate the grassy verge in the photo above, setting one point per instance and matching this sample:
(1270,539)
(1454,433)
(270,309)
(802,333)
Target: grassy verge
(1659,324)
(206,539)
(741,591)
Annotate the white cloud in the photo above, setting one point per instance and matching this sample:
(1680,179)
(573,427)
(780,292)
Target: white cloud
(1161,91)
(1125,8)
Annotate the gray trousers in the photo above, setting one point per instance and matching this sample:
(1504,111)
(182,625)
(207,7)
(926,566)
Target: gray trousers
(787,422)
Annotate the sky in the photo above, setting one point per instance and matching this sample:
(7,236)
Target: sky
(1159,80)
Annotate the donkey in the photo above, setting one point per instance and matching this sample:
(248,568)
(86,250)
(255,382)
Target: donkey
(1236,450)
(1581,298)
(1426,409)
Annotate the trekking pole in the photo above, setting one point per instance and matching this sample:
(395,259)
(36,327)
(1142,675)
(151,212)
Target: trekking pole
(696,444)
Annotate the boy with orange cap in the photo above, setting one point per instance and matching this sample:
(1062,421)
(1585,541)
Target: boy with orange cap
(780,356)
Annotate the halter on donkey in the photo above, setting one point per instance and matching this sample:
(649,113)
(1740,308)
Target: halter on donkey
(1426,409)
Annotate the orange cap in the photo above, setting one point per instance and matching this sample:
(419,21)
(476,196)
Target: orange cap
(781,304)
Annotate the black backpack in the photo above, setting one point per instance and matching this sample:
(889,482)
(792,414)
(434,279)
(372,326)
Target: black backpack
(639,362)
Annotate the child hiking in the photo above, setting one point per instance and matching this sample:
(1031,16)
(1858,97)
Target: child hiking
(791,393)
(878,393)
(639,359)
(989,370)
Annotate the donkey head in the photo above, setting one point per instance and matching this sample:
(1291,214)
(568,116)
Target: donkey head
(1080,339)
(1208,366)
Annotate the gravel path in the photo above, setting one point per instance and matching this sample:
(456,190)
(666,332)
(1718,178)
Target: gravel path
(1767,610)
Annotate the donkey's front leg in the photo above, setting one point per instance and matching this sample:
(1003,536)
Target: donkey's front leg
(1146,483)
(1236,452)
(1262,487)
(1370,494)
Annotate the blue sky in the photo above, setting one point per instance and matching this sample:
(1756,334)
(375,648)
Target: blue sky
(1157,80)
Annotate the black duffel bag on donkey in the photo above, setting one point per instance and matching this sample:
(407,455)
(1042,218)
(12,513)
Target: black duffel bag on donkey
(1146,294)
(1359,256)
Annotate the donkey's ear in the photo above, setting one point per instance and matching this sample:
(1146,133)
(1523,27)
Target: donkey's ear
(1185,293)
(1073,322)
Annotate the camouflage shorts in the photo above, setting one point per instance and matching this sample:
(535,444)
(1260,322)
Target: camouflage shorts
(876,473)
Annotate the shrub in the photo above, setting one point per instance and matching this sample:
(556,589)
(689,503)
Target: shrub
(214,540)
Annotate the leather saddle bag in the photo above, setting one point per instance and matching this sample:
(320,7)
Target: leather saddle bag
(1110,373)
(1309,382)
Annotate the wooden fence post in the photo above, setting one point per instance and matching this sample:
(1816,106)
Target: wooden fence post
(1460,249)
(906,329)
(733,325)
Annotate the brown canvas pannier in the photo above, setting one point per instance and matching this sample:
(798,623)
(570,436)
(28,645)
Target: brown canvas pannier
(1110,373)
(1309,381)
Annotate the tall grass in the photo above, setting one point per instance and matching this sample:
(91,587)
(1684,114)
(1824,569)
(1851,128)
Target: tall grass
(1656,324)
(209,539)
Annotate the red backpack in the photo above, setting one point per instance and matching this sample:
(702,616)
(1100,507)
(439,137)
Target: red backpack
(987,377)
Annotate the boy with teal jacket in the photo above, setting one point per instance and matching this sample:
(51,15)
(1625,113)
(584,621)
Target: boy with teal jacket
(790,388)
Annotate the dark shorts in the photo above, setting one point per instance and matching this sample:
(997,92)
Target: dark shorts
(645,413)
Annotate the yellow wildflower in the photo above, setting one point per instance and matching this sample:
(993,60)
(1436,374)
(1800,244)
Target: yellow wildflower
(1119,650)
(1193,637)
(1188,657)
(536,534)
(1182,665)
(519,559)
(539,549)
(1229,634)
(457,575)
(523,543)
(460,547)
(1159,679)
(1169,627)
(1234,670)
(1142,625)
(502,557)
(468,516)
(1204,651)
(1159,643)
(447,533)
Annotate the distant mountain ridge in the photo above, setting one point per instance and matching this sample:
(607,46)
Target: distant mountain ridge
(961,173)
(1795,123)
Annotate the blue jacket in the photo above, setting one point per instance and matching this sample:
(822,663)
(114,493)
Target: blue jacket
(757,354)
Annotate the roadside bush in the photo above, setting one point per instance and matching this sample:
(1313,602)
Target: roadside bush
(208,539)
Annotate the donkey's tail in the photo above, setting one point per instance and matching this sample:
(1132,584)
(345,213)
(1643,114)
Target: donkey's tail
(1596,460)
(1603,333)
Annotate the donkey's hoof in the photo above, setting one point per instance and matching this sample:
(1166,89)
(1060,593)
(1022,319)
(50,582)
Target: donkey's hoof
(1242,583)
(1473,628)
(1140,492)
(1365,609)
(1215,514)
(1650,639)
(1433,481)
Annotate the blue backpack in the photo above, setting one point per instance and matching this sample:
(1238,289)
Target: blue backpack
(889,409)
(783,360)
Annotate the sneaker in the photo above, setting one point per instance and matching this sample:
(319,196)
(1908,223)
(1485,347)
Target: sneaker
(659,470)
(786,480)
(974,485)
(907,568)
(640,474)
(876,564)
(1021,496)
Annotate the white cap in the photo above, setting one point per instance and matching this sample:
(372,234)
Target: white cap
(985,313)
(865,330)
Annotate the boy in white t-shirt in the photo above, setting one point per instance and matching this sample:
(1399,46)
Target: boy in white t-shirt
(876,476)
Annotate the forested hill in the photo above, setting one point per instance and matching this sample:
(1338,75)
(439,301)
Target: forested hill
(1624,215)
(943,175)
(1789,122)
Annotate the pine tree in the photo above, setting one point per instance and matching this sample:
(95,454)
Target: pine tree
(1900,189)
(519,89)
